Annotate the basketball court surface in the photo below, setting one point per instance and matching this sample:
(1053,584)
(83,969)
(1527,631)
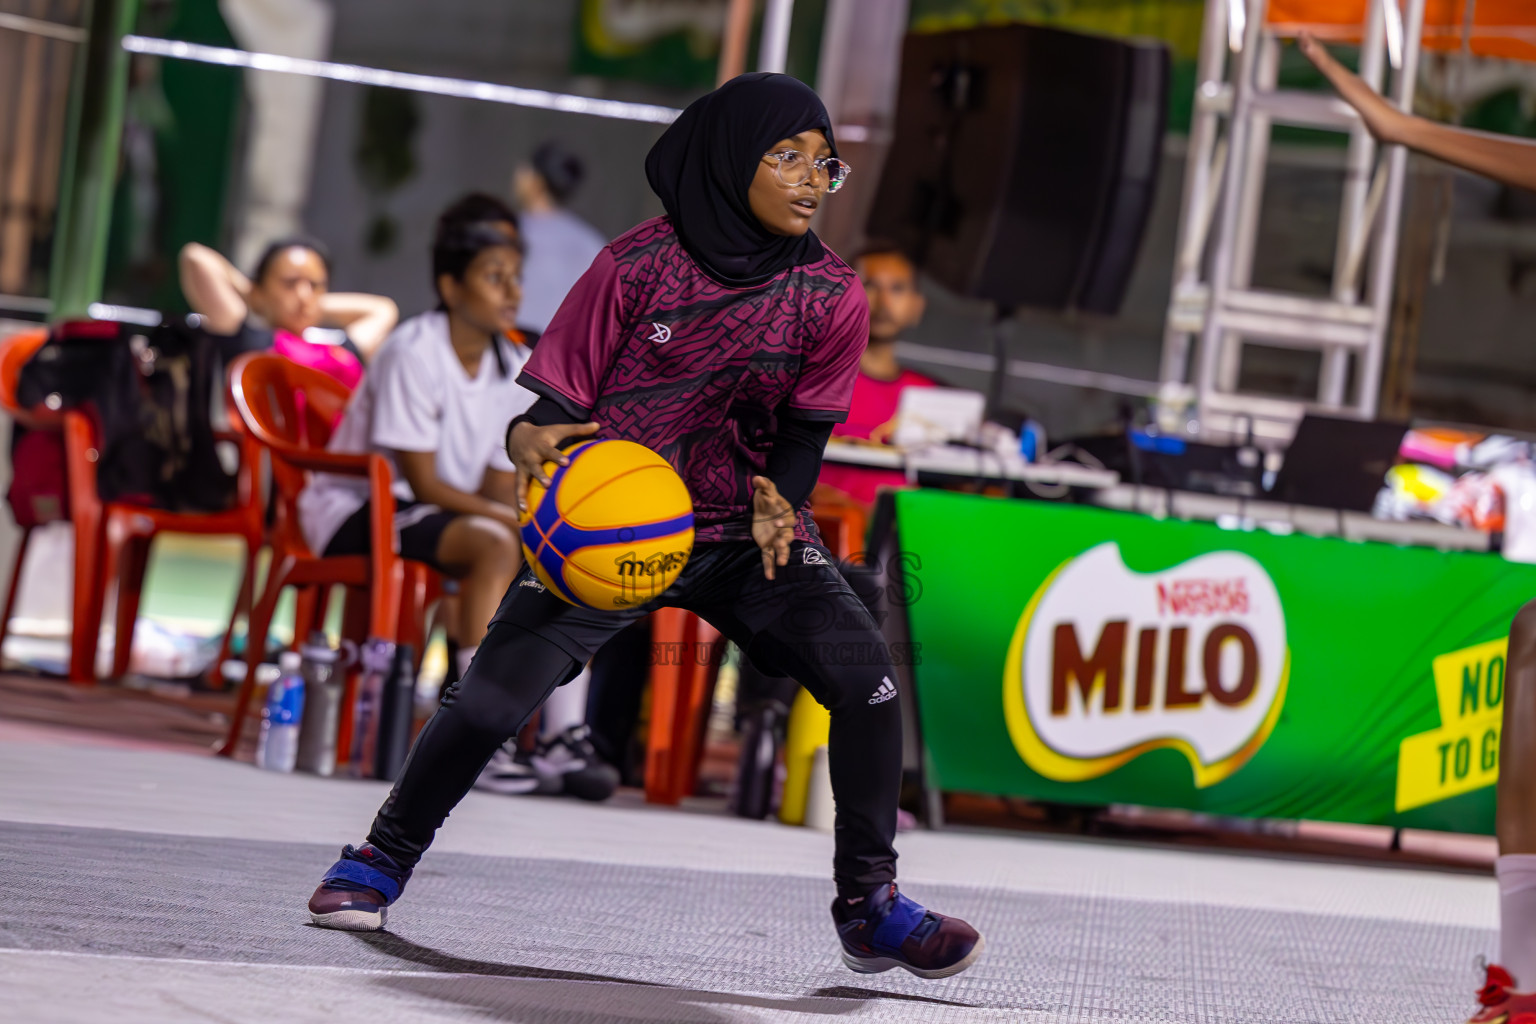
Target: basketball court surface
(140,884)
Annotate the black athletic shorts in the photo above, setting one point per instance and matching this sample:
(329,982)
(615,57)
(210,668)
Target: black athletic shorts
(419,525)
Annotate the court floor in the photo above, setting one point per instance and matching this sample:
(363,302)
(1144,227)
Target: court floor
(145,885)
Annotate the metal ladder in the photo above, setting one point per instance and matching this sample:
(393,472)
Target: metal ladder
(1212,297)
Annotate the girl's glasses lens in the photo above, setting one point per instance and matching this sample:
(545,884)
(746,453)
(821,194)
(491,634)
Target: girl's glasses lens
(795,169)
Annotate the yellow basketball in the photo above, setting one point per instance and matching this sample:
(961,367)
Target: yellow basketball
(614,528)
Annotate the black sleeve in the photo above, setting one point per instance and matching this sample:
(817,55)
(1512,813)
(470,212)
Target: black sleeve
(794,463)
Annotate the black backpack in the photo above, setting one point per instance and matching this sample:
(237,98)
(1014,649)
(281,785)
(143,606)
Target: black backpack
(149,393)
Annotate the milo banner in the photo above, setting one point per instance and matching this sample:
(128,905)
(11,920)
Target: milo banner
(1081,656)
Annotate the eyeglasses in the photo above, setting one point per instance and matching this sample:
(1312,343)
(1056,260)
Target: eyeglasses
(794,168)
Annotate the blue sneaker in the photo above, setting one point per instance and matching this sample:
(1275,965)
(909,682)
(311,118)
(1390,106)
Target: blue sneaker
(356,892)
(885,930)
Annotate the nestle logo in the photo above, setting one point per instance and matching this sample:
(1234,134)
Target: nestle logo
(1202,597)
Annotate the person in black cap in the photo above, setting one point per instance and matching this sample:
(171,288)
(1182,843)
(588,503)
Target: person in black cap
(561,246)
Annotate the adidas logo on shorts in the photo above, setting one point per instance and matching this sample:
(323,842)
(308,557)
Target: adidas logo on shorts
(886,692)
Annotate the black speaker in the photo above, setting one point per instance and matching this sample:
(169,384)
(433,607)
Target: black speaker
(1025,162)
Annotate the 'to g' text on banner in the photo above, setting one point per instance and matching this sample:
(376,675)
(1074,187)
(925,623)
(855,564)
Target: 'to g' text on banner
(1463,754)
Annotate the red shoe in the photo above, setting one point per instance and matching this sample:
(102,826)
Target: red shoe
(1501,1004)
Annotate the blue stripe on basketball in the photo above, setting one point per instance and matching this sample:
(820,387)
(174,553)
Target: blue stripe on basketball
(568,537)
(545,519)
(536,531)
(553,563)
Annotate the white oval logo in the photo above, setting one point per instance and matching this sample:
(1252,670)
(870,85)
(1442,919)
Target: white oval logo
(660,333)
(1107,664)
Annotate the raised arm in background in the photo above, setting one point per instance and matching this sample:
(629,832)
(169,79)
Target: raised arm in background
(214,288)
(1500,157)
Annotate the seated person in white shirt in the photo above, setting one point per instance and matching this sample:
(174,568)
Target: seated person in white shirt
(436,402)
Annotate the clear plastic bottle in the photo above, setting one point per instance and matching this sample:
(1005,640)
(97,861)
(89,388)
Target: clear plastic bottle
(278,748)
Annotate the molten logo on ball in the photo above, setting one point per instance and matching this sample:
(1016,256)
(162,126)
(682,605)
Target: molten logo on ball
(1107,664)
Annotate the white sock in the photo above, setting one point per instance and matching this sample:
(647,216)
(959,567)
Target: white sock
(466,655)
(1517,917)
(566,707)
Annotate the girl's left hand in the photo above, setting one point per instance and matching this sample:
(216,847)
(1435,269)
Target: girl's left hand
(773,524)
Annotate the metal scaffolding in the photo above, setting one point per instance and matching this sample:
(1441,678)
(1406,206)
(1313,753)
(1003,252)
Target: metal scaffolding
(1213,299)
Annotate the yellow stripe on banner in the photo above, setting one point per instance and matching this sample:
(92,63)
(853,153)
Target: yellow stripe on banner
(1448,761)
(1469,683)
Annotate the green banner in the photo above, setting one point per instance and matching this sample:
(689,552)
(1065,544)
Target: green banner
(1081,656)
(676,43)
(666,42)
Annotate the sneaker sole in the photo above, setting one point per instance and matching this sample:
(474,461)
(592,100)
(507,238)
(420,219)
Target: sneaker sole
(351,920)
(881,964)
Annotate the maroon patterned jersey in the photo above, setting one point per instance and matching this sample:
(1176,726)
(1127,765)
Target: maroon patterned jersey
(667,357)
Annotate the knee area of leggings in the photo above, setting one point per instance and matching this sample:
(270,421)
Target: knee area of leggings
(863,690)
(512,671)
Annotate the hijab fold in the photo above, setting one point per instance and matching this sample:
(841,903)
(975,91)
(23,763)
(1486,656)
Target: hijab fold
(703,165)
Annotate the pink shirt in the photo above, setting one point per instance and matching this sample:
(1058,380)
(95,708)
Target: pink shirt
(874,405)
(329,359)
(666,356)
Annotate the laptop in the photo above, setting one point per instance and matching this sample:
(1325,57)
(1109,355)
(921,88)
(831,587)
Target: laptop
(926,417)
(1338,463)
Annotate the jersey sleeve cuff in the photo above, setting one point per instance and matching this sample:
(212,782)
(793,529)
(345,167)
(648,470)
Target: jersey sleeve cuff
(544,389)
(817,415)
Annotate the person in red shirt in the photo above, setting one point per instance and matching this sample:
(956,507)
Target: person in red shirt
(895,306)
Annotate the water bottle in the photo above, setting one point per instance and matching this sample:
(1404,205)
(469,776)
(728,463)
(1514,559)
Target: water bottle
(277,749)
(1031,441)
(323,670)
(378,658)
(396,714)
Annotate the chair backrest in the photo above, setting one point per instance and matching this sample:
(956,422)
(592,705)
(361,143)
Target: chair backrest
(287,407)
(842,526)
(284,404)
(15,351)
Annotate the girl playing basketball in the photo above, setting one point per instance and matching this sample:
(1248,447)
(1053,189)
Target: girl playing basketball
(725,337)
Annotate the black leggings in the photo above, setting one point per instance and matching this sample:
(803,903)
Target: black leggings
(807,624)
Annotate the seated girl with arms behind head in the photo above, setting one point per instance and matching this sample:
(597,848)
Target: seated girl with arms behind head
(283,303)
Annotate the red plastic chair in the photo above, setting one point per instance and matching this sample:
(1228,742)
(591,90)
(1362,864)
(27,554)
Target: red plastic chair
(129,530)
(290,410)
(687,659)
(688,652)
(112,539)
(15,351)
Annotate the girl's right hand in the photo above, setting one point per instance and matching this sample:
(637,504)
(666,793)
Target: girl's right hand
(530,446)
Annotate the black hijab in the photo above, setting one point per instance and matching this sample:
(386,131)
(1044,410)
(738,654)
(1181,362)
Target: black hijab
(703,165)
